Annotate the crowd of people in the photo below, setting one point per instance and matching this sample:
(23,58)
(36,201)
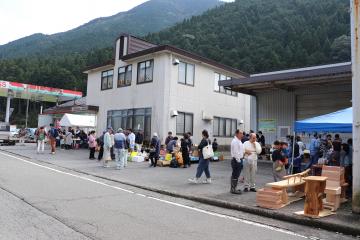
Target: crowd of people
(323,149)
(288,157)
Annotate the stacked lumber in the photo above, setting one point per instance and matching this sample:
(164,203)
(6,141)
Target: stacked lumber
(335,186)
(269,198)
(163,163)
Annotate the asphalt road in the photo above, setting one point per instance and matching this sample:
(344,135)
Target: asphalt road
(39,201)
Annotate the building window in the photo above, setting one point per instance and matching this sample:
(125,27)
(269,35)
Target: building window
(184,123)
(224,127)
(124,76)
(136,119)
(145,71)
(220,77)
(186,73)
(107,79)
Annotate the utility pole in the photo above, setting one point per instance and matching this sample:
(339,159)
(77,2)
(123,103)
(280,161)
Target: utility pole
(355,59)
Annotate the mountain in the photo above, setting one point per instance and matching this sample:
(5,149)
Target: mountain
(148,17)
(263,35)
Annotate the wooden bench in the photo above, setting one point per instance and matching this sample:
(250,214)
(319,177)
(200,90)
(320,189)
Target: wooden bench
(277,191)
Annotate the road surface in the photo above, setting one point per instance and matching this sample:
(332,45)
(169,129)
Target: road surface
(39,201)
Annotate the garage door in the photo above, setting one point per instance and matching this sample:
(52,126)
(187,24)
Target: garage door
(313,105)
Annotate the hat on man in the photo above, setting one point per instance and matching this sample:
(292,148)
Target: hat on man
(120,130)
(155,134)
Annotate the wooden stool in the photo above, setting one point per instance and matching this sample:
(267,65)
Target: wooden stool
(314,191)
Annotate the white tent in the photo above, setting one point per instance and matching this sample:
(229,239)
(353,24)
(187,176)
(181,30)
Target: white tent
(73,120)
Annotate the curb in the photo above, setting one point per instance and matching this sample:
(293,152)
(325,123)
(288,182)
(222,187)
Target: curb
(315,223)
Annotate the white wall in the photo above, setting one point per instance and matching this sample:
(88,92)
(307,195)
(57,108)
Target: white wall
(202,97)
(165,94)
(147,95)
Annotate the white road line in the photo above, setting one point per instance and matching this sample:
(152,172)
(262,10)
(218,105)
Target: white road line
(164,201)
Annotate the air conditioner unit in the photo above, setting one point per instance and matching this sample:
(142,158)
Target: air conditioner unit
(207,117)
(174,113)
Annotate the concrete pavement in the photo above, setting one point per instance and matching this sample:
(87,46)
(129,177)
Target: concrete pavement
(97,209)
(174,182)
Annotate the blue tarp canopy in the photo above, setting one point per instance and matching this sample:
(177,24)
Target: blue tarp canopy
(336,122)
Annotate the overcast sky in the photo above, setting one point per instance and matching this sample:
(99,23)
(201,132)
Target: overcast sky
(20,18)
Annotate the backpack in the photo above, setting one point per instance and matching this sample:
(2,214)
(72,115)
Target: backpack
(54,133)
(174,163)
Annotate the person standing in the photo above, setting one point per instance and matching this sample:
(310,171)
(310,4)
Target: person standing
(139,139)
(100,142)
(314,150)
(215,145)
(119,148)
(252,150)
(203,165)
(336,144)
(127,146)
(107,148)
(69,139)
(237,159)
(168,138)
(53,134)
(112,144)
(278,159)
(301,144)
(154,150)
(41,135)
(22,135)
(171,145)
(261,139)
(185,150)
(131,138)
(92,145)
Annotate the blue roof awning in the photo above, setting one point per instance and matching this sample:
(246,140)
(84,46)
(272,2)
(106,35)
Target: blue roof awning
(339,122)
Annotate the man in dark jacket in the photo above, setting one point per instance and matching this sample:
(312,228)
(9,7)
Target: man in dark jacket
(168,138)
(139,139)
(100,142)
(185,150)
(154,150)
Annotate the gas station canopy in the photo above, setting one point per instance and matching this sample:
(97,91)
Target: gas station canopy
(36,93)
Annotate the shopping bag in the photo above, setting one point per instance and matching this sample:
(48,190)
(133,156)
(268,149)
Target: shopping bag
(179,158)
(208,152)
(168,157)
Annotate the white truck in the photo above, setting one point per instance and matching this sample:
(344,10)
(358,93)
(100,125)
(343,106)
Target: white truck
(6,137)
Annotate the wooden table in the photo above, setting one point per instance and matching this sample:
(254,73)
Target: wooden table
(314,191)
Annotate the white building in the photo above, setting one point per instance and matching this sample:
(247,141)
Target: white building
(163,88)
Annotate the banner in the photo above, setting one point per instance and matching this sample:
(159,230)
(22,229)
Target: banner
(267,125)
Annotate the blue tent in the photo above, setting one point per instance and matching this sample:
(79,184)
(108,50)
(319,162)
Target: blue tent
(336,122)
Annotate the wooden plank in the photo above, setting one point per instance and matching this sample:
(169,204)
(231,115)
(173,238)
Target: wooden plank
(269,191)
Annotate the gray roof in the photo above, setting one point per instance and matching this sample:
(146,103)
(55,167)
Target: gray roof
(290,78)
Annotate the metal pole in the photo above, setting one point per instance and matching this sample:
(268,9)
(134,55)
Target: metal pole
(293,152)
(7,113)
(27,113)
(355,58)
